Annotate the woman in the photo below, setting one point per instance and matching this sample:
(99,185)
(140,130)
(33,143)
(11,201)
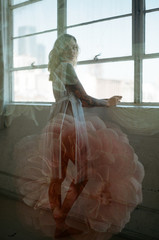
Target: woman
(94,176)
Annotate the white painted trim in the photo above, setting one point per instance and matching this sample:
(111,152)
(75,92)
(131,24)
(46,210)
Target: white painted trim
(100,20)
(24,4)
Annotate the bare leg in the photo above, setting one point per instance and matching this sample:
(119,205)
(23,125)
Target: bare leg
(71,196)
(55,200)
(55,193)
(60,212)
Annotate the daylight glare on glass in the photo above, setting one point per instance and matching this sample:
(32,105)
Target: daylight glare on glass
(103,29)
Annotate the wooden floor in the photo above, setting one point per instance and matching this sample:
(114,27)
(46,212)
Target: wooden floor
(11,227)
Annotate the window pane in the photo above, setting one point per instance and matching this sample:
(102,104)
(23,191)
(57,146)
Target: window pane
(32,86)
(34,49)
(152,32)
(152,4)
(35,17)
(150,80)
(107,79)
(109,38)
(88,10)
(13,2)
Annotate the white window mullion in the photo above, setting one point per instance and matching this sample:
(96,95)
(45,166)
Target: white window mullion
(34,34)
(10,53)
(32,67)
(61,16)
(105,60)
(99,20)
(138,41)
(24,3)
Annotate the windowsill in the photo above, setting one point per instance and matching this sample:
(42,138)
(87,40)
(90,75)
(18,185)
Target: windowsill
(135,119)
(121,105)
(138,106)
(29,104)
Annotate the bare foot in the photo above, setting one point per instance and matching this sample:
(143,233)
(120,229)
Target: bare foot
(58,214)
(68,231)
(62,230)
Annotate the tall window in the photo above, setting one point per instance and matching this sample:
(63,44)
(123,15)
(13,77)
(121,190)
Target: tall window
(33,34)
(104,32)
(118,40)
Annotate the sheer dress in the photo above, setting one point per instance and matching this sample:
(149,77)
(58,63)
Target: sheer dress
(80,163)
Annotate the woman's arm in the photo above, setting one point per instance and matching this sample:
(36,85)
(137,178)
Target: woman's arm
(73,85)
(87,101)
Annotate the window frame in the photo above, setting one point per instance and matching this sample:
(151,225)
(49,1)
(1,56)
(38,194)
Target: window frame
(138,44)
(10,46)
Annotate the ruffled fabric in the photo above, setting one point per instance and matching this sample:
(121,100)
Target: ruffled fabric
(113,172)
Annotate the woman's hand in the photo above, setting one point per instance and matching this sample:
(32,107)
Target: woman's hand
(113,101)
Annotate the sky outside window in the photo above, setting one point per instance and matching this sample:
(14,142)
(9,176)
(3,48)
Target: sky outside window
(13,2)
(150,80)
(150,4)
(108,38)
(40,16)
(152,32)
(88,10)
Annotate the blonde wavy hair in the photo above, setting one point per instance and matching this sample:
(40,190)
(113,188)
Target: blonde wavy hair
(56,54)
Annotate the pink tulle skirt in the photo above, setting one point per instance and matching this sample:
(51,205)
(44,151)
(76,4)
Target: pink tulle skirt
(109,165)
